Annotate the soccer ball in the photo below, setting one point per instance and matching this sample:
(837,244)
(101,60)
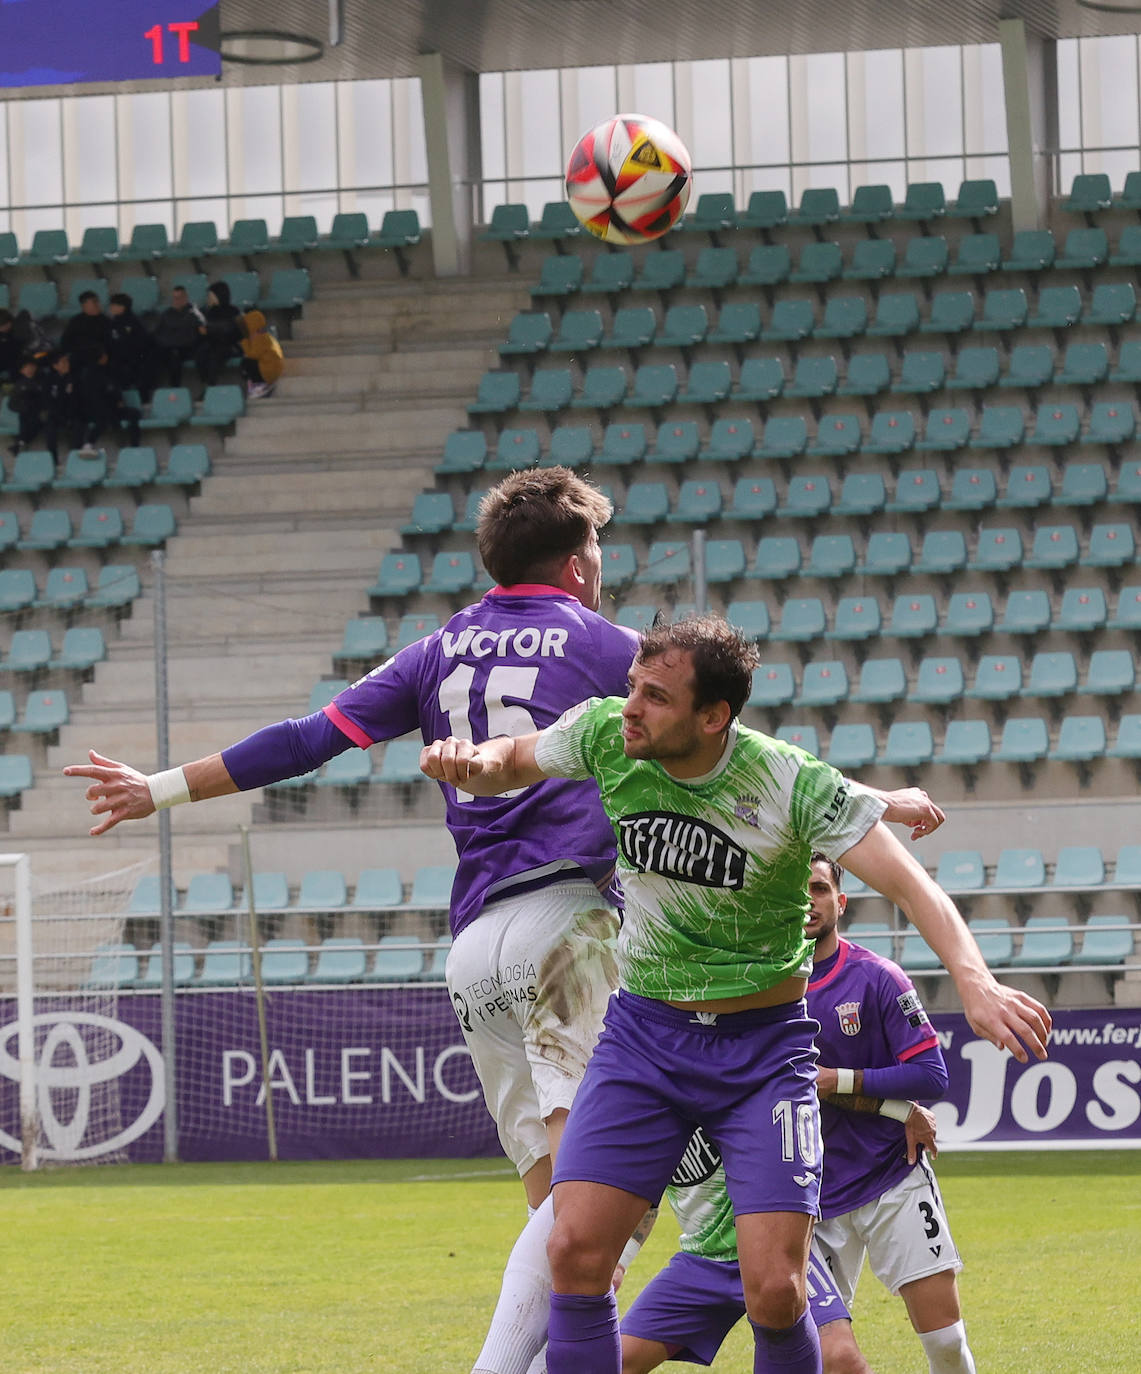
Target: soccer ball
(628,180)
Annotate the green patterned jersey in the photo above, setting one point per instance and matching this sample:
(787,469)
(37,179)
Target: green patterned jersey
(699,1197)
(714,869)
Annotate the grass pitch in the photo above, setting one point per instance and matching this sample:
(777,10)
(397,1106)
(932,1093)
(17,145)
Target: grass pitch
(393,1266)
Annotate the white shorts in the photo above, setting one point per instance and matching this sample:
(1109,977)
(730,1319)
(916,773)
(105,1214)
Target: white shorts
(904,1233)
(529,980)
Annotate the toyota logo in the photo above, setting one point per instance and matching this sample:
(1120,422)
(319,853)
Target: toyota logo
(77,1075)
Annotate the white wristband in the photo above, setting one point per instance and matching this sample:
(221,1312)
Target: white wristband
(629,1253)
(897,1110)
(845,1082)
(168,788)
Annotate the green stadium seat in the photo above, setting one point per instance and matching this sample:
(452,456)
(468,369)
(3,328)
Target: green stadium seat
(365,639)
(322,889)
(9,529)
(790,321)
(952,312)
(39,298)
(836,436)
(80,286)
(765,210)
(508,224)
(531,331)
(802,619)
(976,369)
(1083,484)
(16,776)
(1031,366)
(1081,739)
(995,940)
(431,512)
(1089,193)
(1027,486)
(81,473)
(1055,425)
(623,444)
(1051,675)
(117,586)
(28,652)
(924,257)
(556,223)
(724,560)
(17,589)
(465,450)
(7,709)
(997,550)
(619,563)
(572,446)
(1127,615)
(778,557)
(1024,739)
(647,503)
(49,249)
(245,288)
(248,237)
(498,392)
(1032,250)
(298,235)
(515,448)
(1126,745)
(676,441)
(818,263)
(845,317)
(862,493)
(946,431)
(1128,252)
(961,870)
(199,239)
(1110,546)
(909,744)
(82,648)
(892,432)
(9,424)
(1003,310)
(170,407)
(636,615)
(1084,250)
(323,693)
(667,563)
(44,713)
(1085,364)
(1027,613)
(875,936)
(887,554)
(814,377)
(852,746)
(943,552)
(785,436)
(1046,943)
(857,618)
(451,573)
(560,276)
(831,555)
(1110,673)
(634,327)
(432,887)
(1112,303)
(760,379)
(1054,546)
(872,260)
(579,332)
(772,686)
(938,682)
(1083,610)
(729,440)
(924,200)
(808,497)
(348,231)
(998,677)
(221,406)
(715,211)
(708,383)
(341,959)
(698,501)
(977,255)
(284,962)
(715,269)
(802,737)
(153,524)
(754,498)
(64,589)
(1107,940)
(971,489)
(603,388)
(1111,423)
(916,490)
(99,528)
(738,323)
(966,743)
(1130,197)
(913,616)
(897,314)
(870,205)
(921,372)
(819,206)
(1080,866)
(226,963)
(552,389)
(1058,307)
(113,967)
(148,243)
(49,529)
(750,617)
(399,574)
(401,763)
(825,683)
(9,249)
(662,271)
(769,264)
(289,288)
(133,468)
(377,889)
(1000,427)
(208,894)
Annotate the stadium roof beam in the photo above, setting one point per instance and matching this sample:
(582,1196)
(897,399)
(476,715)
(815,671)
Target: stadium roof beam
(1030,82)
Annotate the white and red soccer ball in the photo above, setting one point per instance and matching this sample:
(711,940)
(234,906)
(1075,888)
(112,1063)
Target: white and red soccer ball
(628,179)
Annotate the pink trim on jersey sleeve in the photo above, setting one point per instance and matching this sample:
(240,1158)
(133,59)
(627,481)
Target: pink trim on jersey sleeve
(529,589)
(348,727)
(845,949)
(930,1043)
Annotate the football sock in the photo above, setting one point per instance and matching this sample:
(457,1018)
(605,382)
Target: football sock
(539,1363)
(583,1337)
(948,1351)
(518,1327)
(793,1349)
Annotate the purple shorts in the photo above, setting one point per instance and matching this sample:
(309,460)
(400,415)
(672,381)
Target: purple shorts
(693,1304)
(747,1077)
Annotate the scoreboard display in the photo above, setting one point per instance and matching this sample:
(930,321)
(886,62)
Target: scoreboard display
(63,42)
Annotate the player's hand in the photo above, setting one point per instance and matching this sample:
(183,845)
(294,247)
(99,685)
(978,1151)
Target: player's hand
(912,806)
(1008,1018)
(920,1132)
(826,1082)
(451,760)
(619,1275)
(118,792)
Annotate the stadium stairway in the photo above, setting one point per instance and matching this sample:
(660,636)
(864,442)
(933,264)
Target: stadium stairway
(274,554)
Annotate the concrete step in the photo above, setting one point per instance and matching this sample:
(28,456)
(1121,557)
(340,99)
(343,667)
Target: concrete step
(389,429)
(379,495)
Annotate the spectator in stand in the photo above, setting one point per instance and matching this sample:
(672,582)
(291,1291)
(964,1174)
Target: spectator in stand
(61,404)
(262,360)
(27,402)
(220,334)
(131,350)
(86,335)
(102,407)
(12,349)
(176,334)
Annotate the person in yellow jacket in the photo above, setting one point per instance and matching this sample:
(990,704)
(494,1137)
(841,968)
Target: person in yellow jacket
(262,359)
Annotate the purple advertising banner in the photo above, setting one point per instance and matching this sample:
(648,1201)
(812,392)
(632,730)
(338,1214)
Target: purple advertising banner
(384,1073)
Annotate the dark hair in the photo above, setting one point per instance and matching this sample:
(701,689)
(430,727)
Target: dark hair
(121,298)
(723,659)
(532,521)
(5,316)
(834,869)
(85,296)
(178,286)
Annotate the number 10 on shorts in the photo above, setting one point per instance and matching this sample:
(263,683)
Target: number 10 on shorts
(798,1131)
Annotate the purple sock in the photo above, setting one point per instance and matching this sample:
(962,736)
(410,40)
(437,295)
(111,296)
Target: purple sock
(583,1335)
(793,1350)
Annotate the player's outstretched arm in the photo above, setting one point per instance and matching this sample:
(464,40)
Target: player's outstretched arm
(1006,1017)
(910,806)
(119,792)
(484,770)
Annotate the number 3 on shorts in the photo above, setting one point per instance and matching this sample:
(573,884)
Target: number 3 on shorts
(797,1131)
(930,1220)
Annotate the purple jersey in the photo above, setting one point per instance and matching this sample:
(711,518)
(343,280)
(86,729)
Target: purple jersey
(870,1018)
(510,664)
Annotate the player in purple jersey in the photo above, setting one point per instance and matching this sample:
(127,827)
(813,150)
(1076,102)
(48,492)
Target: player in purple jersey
(875,1042)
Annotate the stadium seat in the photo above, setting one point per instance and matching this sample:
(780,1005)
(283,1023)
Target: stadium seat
(768,264)
(1127,489)
(289,288)
(556,222)
(1107,940)
(1127,742)
(1052,674)
(637,615)
(976,199)
(100,528)
(1110,673)
(870,205)
(531,332)
(819,206)
(881,680)
(1084,250)
(602,389)
(708,383)
(400,573)
(697,502)
(220,406)
(49,529)
(1128,367)
(432,512)
(1081,739)
(39,298)
(49,249)
(977,255)
(724,560)
(761,379)
(738,323)
(952,312)
(872,260)
(1110,546)
(560,276)
(772,686)
(818,263)
(946,431)
(1083,610)
(83,646)
(117,586)
(1112,303)
(451,573)
(924,200)
(715,269)
(972,489)
(17,589)
(778,557)
(1055,546)
(28,651)
(133,468)
(862,493)
(888,552)
(622,444)
(765,210)
(916,490)
(1019,870)
(913,616)
(1031,366)
(1090,192)
(1084,364)
(851,746)
(754,498)
(831,555)
(667,563)
(226,963)
(921,372)
(169,409)
(683,327)
(892,432)
(995,940)
(44,712)
(284,962)
(1046,943)
(663,271)
(208,894)
(938,682)
(802,619)
(646,504)
(897,314)
(64,589)
(465,451)
(802,736)
(813,377)
(966,743)
(925,256)
(997,550)
(81,472)
(1083,484)
(32,472)
(1127,613)
(353,768)
(750,617)
(634,326)
(1032,250)
(808,497)
(960,870)
(675,442)
(1055,425)
(152,525)
(619,563)
(1024,740)
(1027,486)
(1058,307)
(514,449)
(825,683)
(836,436)
(341,959)
(497,393)
(1026,613)
(398,959)
(572,446)
(790,321)
(909,744)
(113,966)
(998,677)
(976,369)
(857,618)
(868,374)
(401,763)
(785,436)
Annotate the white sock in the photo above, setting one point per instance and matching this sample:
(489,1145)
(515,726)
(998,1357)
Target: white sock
(518,1330)
(539,1363)
(948,1351)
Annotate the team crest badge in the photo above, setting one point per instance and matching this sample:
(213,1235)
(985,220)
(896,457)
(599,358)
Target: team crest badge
(746,810)
(849,1017)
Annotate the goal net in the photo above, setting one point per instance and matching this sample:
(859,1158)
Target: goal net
(67,1064)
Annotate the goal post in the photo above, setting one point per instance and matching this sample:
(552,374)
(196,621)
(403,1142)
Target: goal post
(25,1005)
